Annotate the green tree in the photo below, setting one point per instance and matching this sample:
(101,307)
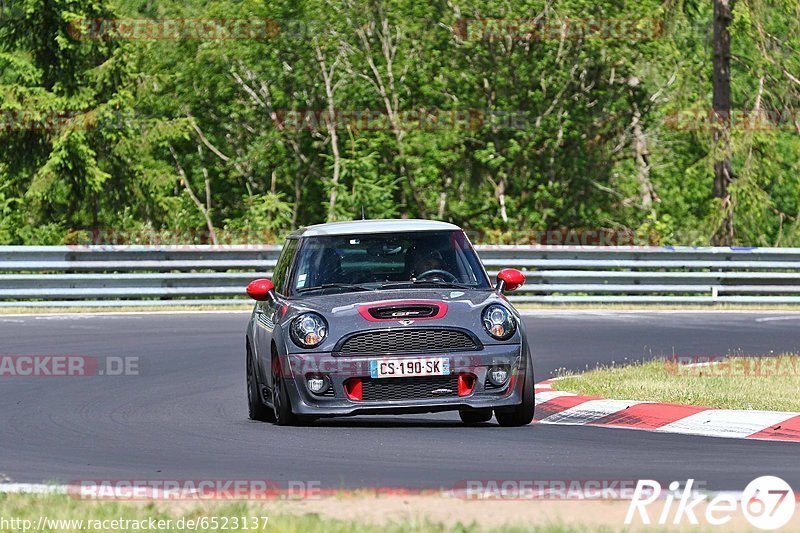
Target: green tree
(62,99)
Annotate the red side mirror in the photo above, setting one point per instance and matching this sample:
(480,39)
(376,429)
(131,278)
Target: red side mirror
(260,289)
(510,279)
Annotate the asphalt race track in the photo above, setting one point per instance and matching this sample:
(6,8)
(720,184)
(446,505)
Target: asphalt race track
(185,417)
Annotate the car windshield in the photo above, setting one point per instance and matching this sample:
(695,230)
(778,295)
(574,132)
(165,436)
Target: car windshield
(387,261)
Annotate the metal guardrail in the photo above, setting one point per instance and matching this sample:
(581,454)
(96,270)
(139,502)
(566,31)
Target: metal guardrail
(169,275)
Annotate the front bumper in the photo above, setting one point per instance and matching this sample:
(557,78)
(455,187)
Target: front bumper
(340,369)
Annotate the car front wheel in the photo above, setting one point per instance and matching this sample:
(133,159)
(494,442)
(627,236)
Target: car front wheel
(522,414)
(281,404)
(256,408)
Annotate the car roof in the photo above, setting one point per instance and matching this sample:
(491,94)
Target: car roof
(356,227)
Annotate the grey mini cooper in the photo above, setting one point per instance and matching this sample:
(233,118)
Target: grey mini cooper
(386,317)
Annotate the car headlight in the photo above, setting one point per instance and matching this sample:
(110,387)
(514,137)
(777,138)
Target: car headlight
(499,322)
(308,330)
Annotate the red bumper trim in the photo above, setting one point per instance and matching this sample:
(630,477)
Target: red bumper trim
(353,389)
(466,384)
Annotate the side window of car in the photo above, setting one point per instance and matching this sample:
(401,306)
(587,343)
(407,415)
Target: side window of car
(281,273)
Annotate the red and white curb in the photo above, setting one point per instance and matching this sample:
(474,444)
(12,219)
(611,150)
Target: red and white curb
(567,408)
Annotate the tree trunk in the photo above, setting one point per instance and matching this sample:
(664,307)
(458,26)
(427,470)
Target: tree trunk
(391,101)
(722,116)
(501,198)
(330,124)
(443,197)
(205,209)
(646,191)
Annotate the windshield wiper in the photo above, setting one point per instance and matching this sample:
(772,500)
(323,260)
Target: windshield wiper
(347,286)
(426,283)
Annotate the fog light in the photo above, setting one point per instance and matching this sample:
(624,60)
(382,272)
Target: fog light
(498,375)
(317,384)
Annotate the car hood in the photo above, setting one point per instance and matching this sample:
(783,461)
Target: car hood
(341,302)
(347,313)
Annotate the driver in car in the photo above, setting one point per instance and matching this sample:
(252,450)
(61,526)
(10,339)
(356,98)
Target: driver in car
(427,261)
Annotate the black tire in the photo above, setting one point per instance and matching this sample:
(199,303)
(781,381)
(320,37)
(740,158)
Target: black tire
(281,404)
(256,408)
(476,416)
(522,414)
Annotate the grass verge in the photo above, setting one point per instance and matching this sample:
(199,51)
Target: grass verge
(763,383)
(368,514)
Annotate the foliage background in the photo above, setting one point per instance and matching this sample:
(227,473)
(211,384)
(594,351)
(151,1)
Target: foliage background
(179,139)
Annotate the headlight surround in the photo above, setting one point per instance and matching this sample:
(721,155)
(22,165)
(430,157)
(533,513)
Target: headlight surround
(308,330)
(499,322)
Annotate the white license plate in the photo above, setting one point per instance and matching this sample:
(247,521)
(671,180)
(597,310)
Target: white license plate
(403,368)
